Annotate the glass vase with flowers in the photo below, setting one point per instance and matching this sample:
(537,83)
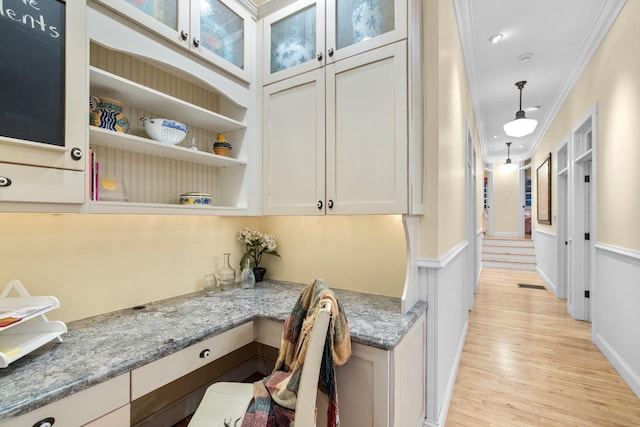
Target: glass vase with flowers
(256,245)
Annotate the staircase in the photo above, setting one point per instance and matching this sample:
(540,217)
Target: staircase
(508,252)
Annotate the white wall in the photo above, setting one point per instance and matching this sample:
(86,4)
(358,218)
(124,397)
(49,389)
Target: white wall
(616,315)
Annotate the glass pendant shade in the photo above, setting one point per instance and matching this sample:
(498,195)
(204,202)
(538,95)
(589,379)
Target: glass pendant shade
(520,126)
(509,165)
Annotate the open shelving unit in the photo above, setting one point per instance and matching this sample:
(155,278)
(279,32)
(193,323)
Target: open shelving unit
(33,330)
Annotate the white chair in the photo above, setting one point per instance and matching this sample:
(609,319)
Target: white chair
(226,399)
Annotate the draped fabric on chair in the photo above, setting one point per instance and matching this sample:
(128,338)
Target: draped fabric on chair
(275,396)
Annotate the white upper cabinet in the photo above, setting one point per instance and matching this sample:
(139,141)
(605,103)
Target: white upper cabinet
(43,125)
(348,156)
(150,78)
(309,34)
(219,31)
(342,131)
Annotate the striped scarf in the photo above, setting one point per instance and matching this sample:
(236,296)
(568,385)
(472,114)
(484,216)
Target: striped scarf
(274,397)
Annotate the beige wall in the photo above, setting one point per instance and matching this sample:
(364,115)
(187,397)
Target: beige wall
(448,106)
(612,79)
(360,252)
(506,202)
(99,263)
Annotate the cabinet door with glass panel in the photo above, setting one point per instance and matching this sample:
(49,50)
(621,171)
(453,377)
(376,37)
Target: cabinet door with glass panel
(307,35)
(216,30)
(43,140)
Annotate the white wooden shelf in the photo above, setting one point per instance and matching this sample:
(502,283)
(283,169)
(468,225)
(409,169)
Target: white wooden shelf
(563,171)
(162,209)
(32,331)
(131,93)
(136,144)
(584,156)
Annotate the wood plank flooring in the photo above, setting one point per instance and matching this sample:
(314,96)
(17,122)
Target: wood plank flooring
(526,362)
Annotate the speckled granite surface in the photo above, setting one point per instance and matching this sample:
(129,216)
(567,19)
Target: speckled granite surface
(102,347)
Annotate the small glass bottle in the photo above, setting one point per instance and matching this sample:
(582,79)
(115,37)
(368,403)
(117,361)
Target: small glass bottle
(226,275)
(247,278)
(210,284)
(193,145)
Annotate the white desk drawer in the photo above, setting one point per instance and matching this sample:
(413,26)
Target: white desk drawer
(156,374)
(79,408)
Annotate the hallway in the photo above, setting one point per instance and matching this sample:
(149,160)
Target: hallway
(526,362)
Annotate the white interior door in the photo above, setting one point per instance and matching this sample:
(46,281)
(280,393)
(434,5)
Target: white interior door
(583,199)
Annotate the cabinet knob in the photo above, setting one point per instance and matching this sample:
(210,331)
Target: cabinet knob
(76,153)
(319,56)
(205,353)
(319,204)
(47,422)
(184,35)
(330,52)
(329,203)
(196,42)
(5,181)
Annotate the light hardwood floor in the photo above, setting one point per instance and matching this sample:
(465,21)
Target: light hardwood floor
(526,362)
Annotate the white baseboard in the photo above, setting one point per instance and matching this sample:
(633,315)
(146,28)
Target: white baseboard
(625,371)
(546,279)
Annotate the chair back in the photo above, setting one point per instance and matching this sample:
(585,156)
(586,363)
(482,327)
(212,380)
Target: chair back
(308,387)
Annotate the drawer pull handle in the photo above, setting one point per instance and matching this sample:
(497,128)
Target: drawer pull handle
(330,203)
(196,42)
(319,204)
(47,422)
(330,52)
(184,35)
(319,56)
(4,181)
(205,353)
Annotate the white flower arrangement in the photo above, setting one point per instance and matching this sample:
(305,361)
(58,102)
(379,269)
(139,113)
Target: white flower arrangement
(256,244)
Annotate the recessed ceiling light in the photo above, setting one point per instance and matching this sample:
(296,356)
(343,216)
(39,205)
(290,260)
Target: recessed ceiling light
(533,108)
(521,146)
(495,38)
(494,148)
(525,57)
(495,136)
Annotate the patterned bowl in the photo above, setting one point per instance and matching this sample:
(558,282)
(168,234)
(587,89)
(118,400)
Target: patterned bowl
(195,198)
(164,130)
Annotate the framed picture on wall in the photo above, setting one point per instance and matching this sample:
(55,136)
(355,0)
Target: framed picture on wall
(543,191)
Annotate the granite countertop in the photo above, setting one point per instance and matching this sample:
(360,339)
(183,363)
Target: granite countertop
(99,348)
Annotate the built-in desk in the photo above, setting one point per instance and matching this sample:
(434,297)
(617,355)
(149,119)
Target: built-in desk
(102,356)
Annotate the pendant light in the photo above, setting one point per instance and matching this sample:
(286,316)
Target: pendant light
(520,126)
(509,164)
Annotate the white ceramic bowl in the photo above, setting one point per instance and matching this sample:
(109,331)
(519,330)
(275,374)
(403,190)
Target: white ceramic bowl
(164,130)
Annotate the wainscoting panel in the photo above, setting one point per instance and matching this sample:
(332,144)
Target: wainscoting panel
(616,314)
(546,258)
(447,323)
(479,243)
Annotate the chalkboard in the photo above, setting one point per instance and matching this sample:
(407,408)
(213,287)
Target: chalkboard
(32,70)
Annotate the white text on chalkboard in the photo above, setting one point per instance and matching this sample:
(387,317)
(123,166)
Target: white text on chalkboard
(28,19)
